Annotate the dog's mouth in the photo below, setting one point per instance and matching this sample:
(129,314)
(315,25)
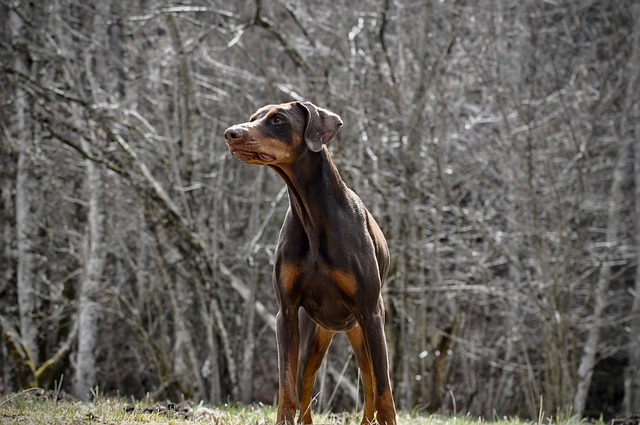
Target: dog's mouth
(252,157)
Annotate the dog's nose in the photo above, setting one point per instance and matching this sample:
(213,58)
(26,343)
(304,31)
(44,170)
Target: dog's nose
(234,132)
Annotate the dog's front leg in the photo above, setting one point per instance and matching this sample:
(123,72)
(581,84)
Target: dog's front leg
(288,336)
(373,330)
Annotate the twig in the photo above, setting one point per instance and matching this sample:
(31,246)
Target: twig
(18,395)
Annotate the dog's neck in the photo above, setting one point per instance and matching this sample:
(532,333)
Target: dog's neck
(316,190)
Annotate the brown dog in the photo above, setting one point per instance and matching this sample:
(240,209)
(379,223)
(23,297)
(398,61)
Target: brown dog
(330,262)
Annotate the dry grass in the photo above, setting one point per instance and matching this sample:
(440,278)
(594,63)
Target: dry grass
(40,407)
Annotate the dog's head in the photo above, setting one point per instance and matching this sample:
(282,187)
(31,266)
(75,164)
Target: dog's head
(279,134)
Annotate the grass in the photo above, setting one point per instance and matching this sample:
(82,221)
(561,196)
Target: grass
(41,407)
(38,408)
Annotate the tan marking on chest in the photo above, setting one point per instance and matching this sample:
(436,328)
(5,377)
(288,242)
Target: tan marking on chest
(289,274)
(346,281)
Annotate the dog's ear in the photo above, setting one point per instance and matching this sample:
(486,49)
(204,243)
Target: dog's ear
(322,126)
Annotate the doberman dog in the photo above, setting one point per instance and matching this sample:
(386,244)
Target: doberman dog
(330,262)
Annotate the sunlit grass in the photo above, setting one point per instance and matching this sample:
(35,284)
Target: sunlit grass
(40,407)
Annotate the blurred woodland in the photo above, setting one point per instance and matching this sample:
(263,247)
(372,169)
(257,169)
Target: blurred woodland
(497,143)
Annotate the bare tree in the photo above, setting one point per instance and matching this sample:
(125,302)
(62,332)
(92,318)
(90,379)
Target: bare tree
(28,200)
(89,311)
(591,345)
(630,131)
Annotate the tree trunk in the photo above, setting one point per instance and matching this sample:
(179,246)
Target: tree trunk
(28,202)
(588,359)
(88,306)
(95,246)
(632,378)
(246,375)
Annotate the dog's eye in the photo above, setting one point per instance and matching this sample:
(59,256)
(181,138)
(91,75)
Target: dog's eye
(277,120)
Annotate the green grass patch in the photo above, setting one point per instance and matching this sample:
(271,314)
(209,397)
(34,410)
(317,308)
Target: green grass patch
(46,407)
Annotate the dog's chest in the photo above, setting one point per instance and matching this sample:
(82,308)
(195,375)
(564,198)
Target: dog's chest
(327,297)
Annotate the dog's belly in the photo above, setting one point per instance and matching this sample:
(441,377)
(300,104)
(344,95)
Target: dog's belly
(329,313)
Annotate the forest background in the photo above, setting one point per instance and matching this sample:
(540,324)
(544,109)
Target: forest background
(497,143)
